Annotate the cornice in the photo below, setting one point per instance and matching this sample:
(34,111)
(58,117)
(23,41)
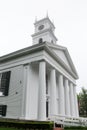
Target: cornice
(44,31)
(47,18)
(55,46)
(34,49)
(22,52)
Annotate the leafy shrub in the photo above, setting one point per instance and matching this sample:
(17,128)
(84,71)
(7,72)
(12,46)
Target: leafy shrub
(22,124)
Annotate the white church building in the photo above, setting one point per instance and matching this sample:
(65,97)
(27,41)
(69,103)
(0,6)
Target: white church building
(39,81)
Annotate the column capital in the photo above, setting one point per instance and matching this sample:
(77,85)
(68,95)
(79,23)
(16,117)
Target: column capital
(42,60)
(72,83)
(66,80)
(26,64)
(60,75)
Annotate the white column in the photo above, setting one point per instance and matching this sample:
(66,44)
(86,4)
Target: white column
(72,105)
(53,101)
(75,102)
(25,102)
(67,102)
(61,96)
(42,92)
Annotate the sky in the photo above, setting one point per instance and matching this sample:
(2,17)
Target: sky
(69,17)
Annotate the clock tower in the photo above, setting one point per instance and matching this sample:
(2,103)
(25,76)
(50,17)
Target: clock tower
(44,31)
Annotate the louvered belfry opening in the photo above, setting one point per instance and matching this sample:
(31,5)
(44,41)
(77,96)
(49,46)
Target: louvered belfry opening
(40,40)
(5,80)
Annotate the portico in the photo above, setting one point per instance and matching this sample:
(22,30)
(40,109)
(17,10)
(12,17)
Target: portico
(65,89)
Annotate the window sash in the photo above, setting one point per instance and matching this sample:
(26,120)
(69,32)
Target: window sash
(4,83)
(3,109)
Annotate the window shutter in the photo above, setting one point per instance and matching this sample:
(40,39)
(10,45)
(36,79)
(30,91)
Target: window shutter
(0,109)
(4,108)
(5,82)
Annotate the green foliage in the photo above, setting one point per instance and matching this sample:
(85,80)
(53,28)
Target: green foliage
(22,124)
(2,128)
(82,98)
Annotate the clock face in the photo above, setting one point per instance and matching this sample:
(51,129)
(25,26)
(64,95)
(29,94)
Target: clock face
(41,27)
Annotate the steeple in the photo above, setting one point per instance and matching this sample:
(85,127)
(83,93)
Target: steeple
(44,31)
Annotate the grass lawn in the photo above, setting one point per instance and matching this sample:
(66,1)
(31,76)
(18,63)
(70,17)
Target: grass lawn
(2,128)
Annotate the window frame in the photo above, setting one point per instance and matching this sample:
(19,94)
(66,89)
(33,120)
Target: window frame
(3,110)
(6,82)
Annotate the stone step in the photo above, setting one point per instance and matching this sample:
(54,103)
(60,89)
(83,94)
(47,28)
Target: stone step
(58,128)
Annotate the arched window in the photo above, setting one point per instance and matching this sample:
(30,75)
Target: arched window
(40,40)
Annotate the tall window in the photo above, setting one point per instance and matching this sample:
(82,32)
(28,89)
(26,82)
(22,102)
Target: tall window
(3,109)
(0,84)
(40,40)
(4,83)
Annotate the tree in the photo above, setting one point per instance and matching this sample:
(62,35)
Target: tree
(82,99)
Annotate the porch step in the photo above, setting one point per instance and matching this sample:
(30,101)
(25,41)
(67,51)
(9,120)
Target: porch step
(58,128)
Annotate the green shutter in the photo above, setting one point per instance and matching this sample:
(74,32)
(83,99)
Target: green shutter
(5,83)
(0,109)
(4,108)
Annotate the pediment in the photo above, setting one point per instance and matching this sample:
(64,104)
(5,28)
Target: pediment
(64,55)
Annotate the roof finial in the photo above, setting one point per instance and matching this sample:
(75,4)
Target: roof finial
(47,14)
(35,19)
(53,21)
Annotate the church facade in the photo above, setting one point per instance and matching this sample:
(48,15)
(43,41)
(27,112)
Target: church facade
(39,81)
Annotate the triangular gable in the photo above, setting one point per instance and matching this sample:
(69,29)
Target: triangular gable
(63,54)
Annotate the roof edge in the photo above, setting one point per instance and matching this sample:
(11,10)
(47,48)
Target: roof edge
(36,48)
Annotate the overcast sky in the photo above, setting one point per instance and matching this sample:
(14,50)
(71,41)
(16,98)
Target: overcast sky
(70,19)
